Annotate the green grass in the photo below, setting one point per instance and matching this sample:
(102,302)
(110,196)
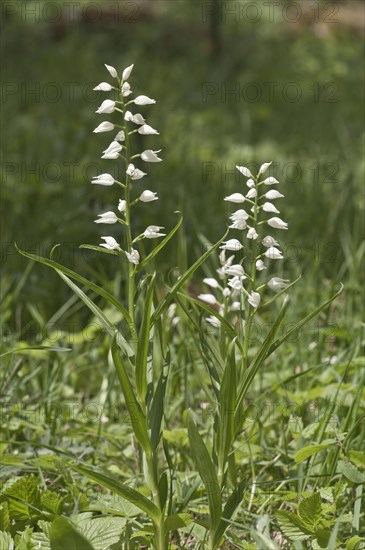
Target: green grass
(297,461)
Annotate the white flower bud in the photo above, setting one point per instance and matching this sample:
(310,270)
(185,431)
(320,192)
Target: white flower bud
(152,232)
(146,130)
(245,171)
(127,72)
(270,181)
(103,87)
(232,244)
(235,197)
(112,71)
(107,217)
(264,167)
(269,207)
(143,100)
(277,283)
(277,223)
(273,253)
(208,299)
(254,299)
(133,256)
(273,194)
(108,106)
(103,179)
(211,282)
(104,127)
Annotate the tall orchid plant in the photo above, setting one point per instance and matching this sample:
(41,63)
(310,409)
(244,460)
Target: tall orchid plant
(142,373)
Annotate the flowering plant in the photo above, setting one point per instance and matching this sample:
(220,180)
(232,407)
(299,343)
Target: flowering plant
(140,348)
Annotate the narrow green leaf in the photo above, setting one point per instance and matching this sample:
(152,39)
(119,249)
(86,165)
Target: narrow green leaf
(122,490)
(160,245)
(309,450)
(143,342)
(35,348)
(231,506)
(92,286)
(110,328)
(261,355)
(138,419)
(182,279)
(64,535)
(304,321)
(157,408)
(226,408)
(100,249)
(207,473)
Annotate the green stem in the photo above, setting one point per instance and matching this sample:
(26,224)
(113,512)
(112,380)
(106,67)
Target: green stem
(248,325)
(130,283)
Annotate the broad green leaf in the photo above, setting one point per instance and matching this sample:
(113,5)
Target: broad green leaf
(92,286)
(160,245)
(22,495)
(101,532)
(122,490)
(350,472)
(143,342)
(64,535)
(138,419)
(177,521)
(292,526)
(182,279)
(310,450)
(207,473)
(310,511)
(304,321)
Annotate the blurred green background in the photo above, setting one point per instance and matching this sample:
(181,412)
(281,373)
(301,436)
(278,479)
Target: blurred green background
(235,82)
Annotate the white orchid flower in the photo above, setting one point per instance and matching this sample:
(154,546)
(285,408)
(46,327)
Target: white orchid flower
(146,130)
(273,194)
(144,100)
(135,173)
(133,256)
(270,181)
(232,244)
(277,283)
(277,223)
(110,243)
(264,167)
(126,89)
(127,72)
(252,234)
(104,127)
(103,87)
(112,71)
(148,196)
(122,204)
(112,152)
(150,156)
(120,136)
(208,299)
(254,299)
(269,241)
(103,179)
(213,283)
(108,106)
(245,171)
(235,197)
(260,266)
(153,232)
(107,217)
(273,253)
(269,207)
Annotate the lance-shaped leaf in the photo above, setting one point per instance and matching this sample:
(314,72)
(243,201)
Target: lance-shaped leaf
(160,245)
(227,405)
(143,341)
(138,419)
(73,275)
(231,506)
(207,472)
(122,490)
